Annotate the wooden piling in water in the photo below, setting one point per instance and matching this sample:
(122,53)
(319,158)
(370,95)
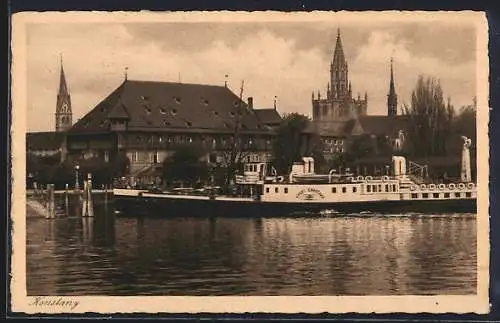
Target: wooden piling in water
(88,207)
(51,211)
(66,200)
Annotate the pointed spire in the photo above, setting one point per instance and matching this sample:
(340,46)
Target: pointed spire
(63,113)
(126,73)
(63,87)
(338,54)
(392,88)
(392,98)
(275,98)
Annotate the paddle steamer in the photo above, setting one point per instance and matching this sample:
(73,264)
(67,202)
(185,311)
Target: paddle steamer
(261,192)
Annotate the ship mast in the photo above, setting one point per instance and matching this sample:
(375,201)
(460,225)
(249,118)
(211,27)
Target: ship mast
(234,149)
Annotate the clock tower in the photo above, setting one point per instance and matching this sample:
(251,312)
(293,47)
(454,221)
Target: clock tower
(64,115)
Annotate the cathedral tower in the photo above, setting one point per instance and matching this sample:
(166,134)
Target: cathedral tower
(339,104)
(392,98)
(64,115)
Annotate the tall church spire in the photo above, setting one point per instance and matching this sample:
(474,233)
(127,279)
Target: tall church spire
(63,114)
(392,98)
(338,54)
(63,87)
(339,78)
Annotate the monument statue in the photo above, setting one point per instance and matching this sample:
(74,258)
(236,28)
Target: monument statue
(465,174)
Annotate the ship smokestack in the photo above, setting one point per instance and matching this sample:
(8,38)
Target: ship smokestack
(399,165)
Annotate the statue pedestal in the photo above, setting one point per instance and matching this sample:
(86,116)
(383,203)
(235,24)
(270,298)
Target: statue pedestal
(465,173)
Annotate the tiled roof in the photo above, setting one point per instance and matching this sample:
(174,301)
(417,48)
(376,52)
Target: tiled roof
(164,106)
(37,141)
(386,125)
(268,116)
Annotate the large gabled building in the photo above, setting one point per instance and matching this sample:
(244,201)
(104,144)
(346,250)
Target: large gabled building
(147,120)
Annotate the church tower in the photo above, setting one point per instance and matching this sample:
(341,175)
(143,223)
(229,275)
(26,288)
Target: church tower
(392,98)
(64,115)
(338,105)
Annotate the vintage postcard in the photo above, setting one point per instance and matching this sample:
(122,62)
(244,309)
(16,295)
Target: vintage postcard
(214,162)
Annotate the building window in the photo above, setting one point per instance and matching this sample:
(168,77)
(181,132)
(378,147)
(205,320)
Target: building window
(379,187)
(387,187)
(414,195)
(435,195)
(286,190)
(155,157)
(276,190)
(334,190)
(344,189)
(267,189)
(447,195)
(354,189)
(394,187)
(468,194)
(134,157)
(106,156)
(457,194)
(425,195)
(368,188)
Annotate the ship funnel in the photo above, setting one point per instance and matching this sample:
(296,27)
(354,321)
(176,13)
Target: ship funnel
(308,165)
(399,165)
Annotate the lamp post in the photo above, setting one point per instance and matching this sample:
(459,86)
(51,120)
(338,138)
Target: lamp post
(77,185)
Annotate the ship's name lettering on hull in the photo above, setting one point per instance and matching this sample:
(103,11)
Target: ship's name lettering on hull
(310,194)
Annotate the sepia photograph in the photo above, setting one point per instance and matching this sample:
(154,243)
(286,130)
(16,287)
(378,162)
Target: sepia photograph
(204,161)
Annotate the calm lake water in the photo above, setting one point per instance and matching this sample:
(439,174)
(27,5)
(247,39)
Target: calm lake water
(357,255)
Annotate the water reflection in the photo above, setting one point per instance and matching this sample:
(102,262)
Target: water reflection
(107,255)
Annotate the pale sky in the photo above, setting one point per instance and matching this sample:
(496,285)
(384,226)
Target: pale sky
(284,59)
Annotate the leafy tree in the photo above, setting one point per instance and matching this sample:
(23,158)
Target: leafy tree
(185,166)
(360,147)
(430,119)
(120,164)
(293,142)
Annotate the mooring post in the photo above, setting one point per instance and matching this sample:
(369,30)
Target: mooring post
(91,204)
(88,208)
(106,195)
(66,200)
(51,213)
(84,199)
